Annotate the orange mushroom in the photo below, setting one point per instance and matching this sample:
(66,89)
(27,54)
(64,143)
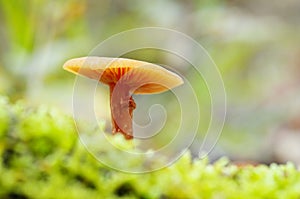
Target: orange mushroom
(124,78)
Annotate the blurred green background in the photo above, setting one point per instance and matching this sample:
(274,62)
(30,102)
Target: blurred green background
(255,44)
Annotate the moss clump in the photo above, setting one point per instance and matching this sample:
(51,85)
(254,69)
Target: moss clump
(40,157)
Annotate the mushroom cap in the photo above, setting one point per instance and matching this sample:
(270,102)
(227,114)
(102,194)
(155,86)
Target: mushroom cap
(144,77)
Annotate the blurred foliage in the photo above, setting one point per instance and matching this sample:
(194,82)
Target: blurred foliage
(31,32)
(32,24)
(254,44)
(40,157)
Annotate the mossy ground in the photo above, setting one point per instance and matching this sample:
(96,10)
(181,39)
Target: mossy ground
(41,157)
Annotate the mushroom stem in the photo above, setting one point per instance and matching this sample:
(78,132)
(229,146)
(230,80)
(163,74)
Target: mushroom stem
(122,106)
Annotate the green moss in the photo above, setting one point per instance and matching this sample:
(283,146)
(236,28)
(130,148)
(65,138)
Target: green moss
(4,116)
(40,157)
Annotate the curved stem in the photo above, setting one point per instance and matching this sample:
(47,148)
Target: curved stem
(122,106)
